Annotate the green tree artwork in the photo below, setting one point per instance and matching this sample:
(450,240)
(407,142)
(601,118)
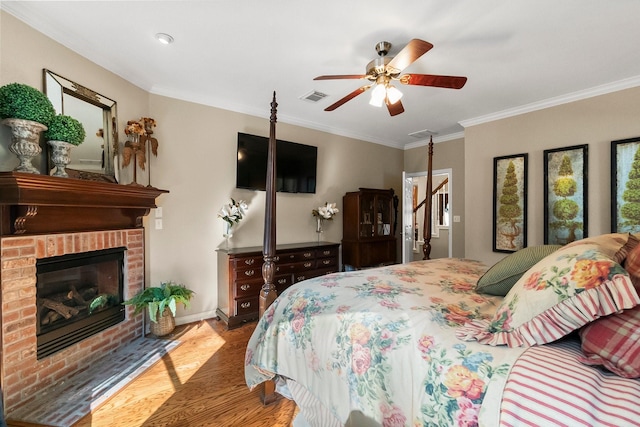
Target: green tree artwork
(509,218)
(565,208)
(630,209)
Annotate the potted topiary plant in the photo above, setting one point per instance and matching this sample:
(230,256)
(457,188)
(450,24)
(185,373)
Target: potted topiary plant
(27,111)
(161,303)
(64,133)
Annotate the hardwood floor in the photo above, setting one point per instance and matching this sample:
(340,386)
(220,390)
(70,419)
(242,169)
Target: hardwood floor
(200,383)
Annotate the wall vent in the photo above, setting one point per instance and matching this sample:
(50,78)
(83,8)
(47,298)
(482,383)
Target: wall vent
(314,96)
(423,134)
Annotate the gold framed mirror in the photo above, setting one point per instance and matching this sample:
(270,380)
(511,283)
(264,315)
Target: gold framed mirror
(94,158)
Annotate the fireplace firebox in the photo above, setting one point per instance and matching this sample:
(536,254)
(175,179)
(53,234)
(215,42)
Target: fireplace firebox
(77,295)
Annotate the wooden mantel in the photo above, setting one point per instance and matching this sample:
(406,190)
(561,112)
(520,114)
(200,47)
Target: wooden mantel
(41,204)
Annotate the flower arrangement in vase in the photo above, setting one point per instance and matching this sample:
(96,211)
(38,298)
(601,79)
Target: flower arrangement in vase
(232,213)
(326,211)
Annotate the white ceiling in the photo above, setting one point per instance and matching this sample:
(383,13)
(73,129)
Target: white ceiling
(518,55)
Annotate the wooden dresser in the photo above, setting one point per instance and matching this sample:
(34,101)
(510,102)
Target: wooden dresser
(240,275)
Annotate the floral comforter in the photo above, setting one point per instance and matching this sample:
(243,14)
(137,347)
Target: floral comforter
(382,341)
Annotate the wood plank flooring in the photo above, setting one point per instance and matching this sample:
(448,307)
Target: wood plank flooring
(200,383)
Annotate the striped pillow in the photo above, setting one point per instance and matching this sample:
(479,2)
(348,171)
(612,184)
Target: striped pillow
(561,293)
(614,342)
(499,279)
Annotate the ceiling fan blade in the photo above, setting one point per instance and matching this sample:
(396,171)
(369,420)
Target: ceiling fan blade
(449,82)
(349,97)
(412,51)
(395,109)
(341,76)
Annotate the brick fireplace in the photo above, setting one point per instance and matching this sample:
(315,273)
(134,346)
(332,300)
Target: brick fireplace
(43,217)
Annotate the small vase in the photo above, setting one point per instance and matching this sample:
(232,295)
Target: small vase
(60,156)
(227,233)
(25,142)
(319,227)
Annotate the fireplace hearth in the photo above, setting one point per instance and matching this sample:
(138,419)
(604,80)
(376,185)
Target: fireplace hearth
(77,295)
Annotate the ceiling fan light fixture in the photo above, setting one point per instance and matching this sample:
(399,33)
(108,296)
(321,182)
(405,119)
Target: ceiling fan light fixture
(377,95)
(393,94)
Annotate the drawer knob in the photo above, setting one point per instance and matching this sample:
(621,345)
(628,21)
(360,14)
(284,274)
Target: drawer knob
(326,261)
(326,252)
(308,264)
(307,254)
(300,278)
(282,281)
(245,305)
(249,261)
(276,258)
(249,272)
(245,287)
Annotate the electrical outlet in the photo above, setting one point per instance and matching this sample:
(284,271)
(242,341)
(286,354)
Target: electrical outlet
(158,224)
(159,212)
(456,218)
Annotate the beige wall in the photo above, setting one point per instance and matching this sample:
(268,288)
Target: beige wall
(197,163)
(446,155)
(596,121)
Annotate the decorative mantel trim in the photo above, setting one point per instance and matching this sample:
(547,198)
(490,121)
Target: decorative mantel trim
(39,204)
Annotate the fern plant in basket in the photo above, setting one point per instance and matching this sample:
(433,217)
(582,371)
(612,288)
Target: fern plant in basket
(161,302)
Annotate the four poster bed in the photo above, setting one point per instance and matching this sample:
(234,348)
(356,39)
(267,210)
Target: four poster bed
(547,336)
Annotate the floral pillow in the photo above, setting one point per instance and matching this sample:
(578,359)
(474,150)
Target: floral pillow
(614,342)
(561,293)
(614,245)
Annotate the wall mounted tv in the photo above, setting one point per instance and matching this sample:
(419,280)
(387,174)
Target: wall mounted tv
(296,165)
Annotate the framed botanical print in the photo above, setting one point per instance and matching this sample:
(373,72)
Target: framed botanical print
(625,186)
(509,203)
(565,194)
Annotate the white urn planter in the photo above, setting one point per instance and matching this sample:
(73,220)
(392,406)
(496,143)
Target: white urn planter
(25,142)
(60,156)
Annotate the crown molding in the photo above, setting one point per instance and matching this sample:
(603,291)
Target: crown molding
(552,102)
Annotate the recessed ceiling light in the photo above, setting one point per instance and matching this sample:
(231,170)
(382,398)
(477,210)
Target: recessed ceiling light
(164,38)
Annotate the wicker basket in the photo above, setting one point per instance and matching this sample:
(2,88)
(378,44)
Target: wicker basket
(165,323)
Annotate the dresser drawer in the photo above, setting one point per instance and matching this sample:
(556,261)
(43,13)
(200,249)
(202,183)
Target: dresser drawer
(247,288)
(252,273)
(247,305)
(289,257)
(326,262)
(327,252)
(248,262)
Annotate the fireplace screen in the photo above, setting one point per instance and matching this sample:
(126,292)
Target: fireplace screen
(77,296)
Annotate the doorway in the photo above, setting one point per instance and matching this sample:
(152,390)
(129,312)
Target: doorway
(413,195)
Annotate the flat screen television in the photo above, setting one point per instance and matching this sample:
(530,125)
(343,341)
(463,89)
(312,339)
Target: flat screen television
(296,165)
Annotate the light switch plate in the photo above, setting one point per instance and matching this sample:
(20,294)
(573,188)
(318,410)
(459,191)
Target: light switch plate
(159,224)
(159,212)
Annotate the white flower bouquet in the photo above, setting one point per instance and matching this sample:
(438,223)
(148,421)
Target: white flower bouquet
(327,211)
(233,212)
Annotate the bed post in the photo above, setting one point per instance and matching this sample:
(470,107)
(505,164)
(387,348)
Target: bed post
(268,292)
(426,248)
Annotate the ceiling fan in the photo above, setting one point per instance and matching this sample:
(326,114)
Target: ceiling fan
(382,71)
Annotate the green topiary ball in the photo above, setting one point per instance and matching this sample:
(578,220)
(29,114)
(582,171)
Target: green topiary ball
(65,128)
(20,101)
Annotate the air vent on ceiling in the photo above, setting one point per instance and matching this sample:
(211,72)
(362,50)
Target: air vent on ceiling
(314,96)
(422,134)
